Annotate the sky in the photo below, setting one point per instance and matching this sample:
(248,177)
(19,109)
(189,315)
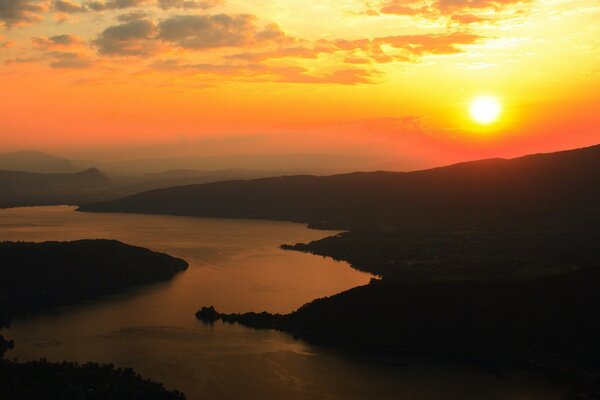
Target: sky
(396,78)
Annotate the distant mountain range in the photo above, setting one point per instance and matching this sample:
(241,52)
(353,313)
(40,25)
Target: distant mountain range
(19,188)
(494,189)
(290,163)
(35,161)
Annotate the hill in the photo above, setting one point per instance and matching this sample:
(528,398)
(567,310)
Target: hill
(544,324)
(41,275)
(37,276)
(35,161)
(57,381)
(526,188)
(18,188)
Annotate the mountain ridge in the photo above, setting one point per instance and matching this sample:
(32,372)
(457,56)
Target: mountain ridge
(529,186)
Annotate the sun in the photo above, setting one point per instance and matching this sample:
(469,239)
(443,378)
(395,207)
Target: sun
(485,109)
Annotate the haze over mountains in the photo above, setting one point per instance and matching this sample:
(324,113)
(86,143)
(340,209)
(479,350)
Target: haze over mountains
(35,161)
(319,164)
(35,178)
(527,187)
(28,188)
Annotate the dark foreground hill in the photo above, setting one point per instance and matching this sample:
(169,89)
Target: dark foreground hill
(35,276)
(61,381)
(41,275)
(547,324)
(526,188)
(19,188)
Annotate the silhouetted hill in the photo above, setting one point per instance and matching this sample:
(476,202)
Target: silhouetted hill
(61,381)
(19,188)
(36,276)
(41,275)
(457,314)
(35,161)
(547,324)
(525,188)
(509,250)
(129,185)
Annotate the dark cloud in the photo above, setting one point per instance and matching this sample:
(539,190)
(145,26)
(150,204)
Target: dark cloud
(212,31)
(57,41)
(128,39)
(64,39)
(68,7)
(133,16)
(113,4)
(68,60)
(185,4)
(15,12)
(22,60)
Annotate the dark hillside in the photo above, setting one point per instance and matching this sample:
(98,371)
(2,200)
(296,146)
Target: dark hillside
(527,188)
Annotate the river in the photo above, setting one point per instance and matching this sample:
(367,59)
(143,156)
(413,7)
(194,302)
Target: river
(237,266)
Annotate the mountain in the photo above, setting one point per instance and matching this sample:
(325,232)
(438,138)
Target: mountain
(525,188)
(27,188)
(297,163)
(39,276)
(128,185)
(35,161)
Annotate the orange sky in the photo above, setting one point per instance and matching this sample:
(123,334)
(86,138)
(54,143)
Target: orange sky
(390,77)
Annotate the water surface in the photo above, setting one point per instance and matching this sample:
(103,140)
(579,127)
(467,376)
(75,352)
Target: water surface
(237,266)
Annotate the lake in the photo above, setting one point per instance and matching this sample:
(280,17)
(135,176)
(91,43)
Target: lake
(237,266)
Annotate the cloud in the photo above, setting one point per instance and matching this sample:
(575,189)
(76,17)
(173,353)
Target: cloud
(466,19)
(257,72)
(133,16)
(460,11)
(410,46)
(284,52)
(113,4)
(348,76)
(400,8)
(474,4)
(58,41)
(6,44)
(22,60)
(18,12)
(214,31)
(132,38)
(185,4)
(68,7)
(68,60)
(430,44)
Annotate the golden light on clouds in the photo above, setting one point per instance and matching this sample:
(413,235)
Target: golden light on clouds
(119,72)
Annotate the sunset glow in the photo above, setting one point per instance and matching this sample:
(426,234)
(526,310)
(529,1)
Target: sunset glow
(485,109)
(214,77)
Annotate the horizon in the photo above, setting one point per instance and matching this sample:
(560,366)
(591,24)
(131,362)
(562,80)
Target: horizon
(140,165)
